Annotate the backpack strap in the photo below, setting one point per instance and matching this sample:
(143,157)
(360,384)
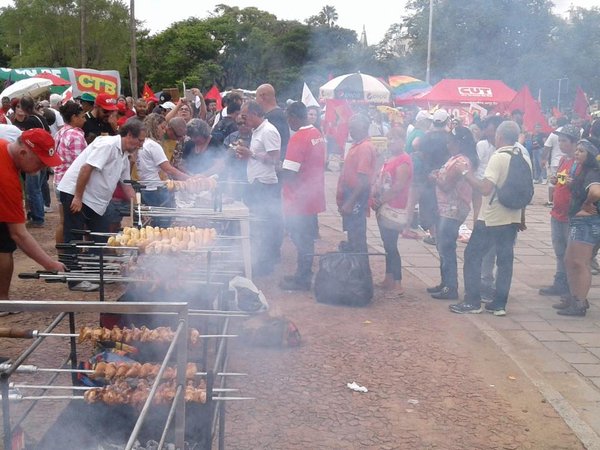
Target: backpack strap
(510,152)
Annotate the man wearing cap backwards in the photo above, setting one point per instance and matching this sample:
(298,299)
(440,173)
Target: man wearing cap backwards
(102,120)
(568,136)
(32,151)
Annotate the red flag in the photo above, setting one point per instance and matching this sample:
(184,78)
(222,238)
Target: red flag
(580,105)
(335,123)
(214,94)
(148,94)
(532,113)
(556,113)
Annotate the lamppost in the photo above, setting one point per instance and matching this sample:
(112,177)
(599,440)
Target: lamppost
(560,80)
(428,71)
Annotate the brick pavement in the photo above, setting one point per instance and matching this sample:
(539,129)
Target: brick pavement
(560,355)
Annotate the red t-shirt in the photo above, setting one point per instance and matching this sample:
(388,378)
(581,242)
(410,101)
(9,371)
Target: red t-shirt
(562,193)
(305,194)
(11,206)
(361,159)
(389,172)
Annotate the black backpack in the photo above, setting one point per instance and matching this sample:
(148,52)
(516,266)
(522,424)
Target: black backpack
(517,190)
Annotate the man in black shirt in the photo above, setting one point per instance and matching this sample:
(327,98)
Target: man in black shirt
(434,148)
(102,120)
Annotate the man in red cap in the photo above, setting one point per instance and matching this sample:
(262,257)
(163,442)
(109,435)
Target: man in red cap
(102,120)
(30,153)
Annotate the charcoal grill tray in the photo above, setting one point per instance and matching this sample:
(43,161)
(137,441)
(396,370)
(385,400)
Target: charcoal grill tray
(84,426)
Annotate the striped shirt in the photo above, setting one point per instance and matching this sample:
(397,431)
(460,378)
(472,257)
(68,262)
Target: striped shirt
(70,142)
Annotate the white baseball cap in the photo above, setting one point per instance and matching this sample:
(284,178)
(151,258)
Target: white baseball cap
(441,115)
(168,105)
(423,114)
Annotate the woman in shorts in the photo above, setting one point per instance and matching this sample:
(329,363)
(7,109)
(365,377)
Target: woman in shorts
(584,228)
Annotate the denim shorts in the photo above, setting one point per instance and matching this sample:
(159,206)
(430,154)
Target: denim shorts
(585,229)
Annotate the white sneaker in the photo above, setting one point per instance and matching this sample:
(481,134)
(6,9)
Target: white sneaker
(47,209)
(85,286)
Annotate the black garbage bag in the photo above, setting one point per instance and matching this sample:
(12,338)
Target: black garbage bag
(344,279)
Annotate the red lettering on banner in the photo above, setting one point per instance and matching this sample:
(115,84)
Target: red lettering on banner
(97,83)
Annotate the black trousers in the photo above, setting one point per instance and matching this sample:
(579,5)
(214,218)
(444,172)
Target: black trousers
(86,219)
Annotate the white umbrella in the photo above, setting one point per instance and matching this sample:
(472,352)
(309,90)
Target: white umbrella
(29,86)
(356,86)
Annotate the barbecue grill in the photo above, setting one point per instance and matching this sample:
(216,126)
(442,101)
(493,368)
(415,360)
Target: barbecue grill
(81,425)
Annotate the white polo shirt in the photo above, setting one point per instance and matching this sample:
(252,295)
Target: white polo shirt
(484,152)
(556,153)
(265,139)
(149,159)
(110,165)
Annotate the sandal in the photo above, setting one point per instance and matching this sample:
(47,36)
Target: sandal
(410,234)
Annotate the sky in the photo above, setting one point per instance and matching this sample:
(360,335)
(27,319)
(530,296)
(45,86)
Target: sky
(376,18)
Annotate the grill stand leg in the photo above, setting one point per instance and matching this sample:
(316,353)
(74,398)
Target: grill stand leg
(6,412)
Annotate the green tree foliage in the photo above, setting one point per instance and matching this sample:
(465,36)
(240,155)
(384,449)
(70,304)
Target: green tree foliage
(518,41)
(245,47)
(327,17)
(46,33)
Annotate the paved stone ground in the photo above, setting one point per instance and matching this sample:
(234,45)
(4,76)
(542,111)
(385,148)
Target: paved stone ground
(481,381)
(561,355)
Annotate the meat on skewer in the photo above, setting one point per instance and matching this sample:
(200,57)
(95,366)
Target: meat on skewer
(128,335)
(113,370)
(122,393)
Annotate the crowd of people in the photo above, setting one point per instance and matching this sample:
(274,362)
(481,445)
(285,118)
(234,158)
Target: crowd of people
(434,173)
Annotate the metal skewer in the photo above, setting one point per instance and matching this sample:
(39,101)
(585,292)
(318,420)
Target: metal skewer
(16,396)
(29,334)
(29,368)
(87,388)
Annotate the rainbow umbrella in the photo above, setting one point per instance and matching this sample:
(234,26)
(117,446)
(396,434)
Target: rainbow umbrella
(406,88)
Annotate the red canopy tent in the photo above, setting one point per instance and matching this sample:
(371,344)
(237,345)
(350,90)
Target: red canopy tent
(532,112)
(468,91)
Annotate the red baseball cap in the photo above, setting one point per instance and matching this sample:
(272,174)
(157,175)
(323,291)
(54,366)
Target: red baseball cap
(106,102)
(42,144)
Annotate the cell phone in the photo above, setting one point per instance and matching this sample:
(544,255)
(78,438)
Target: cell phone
(189,96)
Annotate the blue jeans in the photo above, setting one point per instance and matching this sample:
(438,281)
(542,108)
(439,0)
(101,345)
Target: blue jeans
(482,239)
(302,233)
(35,199)
(487,268)
(560,238)
(446,235)
(264,204)
(393,261)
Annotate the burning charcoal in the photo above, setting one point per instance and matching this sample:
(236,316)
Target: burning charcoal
(151,445)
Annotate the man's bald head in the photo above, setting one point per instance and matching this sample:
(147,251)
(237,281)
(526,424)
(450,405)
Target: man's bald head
(265,96)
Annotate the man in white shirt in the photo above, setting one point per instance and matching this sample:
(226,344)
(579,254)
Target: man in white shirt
(88,185)
(263,194)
